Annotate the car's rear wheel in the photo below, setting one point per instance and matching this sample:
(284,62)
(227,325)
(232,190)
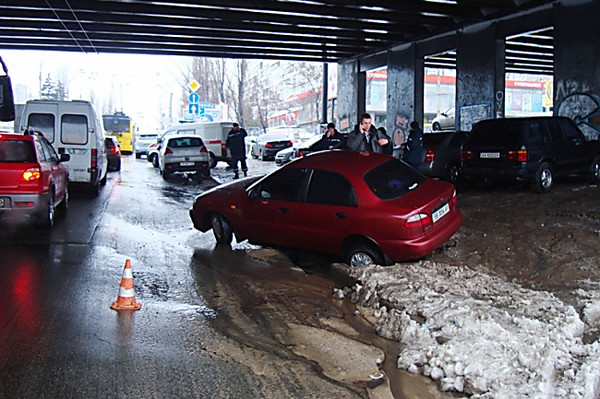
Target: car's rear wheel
(165,175)
(363,254)
(544,178)
(212,162)
(66,198)
(436,126)
(596,170)
(221,229)
(48,216)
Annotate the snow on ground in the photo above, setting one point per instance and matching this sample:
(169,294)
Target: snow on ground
(478,334)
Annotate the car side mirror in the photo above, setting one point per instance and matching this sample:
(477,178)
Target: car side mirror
(7,103)
(65,157)
(253,194)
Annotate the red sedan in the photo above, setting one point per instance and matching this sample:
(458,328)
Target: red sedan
(368,208)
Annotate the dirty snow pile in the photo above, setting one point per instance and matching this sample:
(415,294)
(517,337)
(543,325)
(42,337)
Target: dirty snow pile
(480,335)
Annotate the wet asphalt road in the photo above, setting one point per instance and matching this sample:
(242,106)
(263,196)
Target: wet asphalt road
(60,339)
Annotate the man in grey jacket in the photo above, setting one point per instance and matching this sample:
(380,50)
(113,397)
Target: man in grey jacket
(365,137)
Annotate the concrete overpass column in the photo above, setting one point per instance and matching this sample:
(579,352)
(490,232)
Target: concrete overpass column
(402,77)
(479,76)
(577,64)
(348,95)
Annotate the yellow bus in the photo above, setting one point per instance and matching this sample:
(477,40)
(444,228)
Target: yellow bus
(120,126)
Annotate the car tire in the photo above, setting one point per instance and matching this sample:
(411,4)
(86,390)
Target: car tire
(452,173)
(436,127)
(154,161)
(596,171)
(212,161)
(138,155)
(221,229)
(66,198)
(48,217)
(363,254)
(165,175)
(544,178)
(253,155)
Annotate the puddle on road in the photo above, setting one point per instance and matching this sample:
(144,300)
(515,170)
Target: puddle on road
(265,302)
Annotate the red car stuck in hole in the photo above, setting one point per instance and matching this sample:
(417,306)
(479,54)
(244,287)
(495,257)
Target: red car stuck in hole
(366,208)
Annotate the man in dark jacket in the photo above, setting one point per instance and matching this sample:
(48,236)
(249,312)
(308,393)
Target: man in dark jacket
(331,140)
(414,146)
(365,137)
(236,146)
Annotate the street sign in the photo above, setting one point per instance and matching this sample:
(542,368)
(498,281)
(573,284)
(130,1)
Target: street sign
(193,109)
(194,85)
(202,111)
(194,98)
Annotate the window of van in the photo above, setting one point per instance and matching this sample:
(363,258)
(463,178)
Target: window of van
(43,123)
(187,131)
(74,129)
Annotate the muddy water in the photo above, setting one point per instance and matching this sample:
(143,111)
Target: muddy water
(282,304)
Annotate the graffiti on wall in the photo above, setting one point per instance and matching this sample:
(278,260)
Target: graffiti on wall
(400,130)
(344,123)
(470,114)
(584,109)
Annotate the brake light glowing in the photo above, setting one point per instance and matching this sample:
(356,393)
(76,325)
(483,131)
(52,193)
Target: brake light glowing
(31,174)
(430,155)
(115,150)
(203,149)
(418,220)
(268,145)
(466,155)
(168,151)
(94,158)
(519,156)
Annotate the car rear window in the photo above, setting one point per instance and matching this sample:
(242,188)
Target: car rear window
(508,133)
(74,129)
(17,151)
(42,123)
(186,142)
(393,179)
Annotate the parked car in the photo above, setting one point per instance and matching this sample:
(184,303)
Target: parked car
(533,149)
(184,154)
(314,144)
(284,156)
(113,152)
(444,121)
(363,207)
(142,142)
(34,181)
(441,155)
(268,144)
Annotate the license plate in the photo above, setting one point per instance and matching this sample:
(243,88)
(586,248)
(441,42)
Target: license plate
(440,212)
(187,163)
(489,155)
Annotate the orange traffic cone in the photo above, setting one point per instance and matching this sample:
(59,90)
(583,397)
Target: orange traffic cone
(126,298)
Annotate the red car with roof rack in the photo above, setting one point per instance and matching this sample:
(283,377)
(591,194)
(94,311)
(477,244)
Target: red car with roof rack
(33,178)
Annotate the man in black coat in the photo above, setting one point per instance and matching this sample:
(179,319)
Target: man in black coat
(414,146)
(236,146)
(365,137)
(331,140)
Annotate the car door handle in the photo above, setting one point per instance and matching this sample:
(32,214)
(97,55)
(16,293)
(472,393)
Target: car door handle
(284,210)
(340,215)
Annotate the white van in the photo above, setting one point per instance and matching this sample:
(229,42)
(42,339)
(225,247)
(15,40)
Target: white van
(214,135)
(74,128)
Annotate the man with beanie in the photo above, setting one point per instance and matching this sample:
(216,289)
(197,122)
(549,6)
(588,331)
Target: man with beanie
(236,146)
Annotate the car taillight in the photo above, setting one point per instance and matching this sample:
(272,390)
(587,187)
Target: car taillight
(418,220)
(466,155)
(115,150)
(430,155)
(519,156)
(300,154)
(268,145)
(94,158)
(289,144)
(168,151)
(203,149)
(31,174)
(453,200)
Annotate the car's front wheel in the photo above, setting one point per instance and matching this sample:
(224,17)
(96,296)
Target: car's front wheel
(436,126)
(221,229)
(544,178)
(452,173)
(596,171)
(363,254)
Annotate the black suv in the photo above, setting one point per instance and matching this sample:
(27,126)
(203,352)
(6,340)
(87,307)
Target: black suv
(534,149)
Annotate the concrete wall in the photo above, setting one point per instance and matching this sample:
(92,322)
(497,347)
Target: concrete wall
(577,64)
(400,93)
(347,96)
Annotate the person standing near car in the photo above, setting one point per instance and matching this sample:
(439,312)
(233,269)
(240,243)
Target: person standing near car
(365,137)
(331,140)
(413,146)
(236,146)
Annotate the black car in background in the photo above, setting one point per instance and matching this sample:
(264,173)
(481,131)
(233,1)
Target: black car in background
(113,152)
(533,149)
(441,154)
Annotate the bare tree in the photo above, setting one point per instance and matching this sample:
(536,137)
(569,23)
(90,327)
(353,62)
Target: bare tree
(307,77)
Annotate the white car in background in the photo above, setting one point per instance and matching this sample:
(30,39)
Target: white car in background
(142,142)
(444,121)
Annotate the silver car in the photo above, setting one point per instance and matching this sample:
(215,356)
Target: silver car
(183,154)
(142,142)
(444,121)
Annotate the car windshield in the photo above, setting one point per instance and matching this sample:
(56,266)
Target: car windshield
(392,179)
(16,151)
